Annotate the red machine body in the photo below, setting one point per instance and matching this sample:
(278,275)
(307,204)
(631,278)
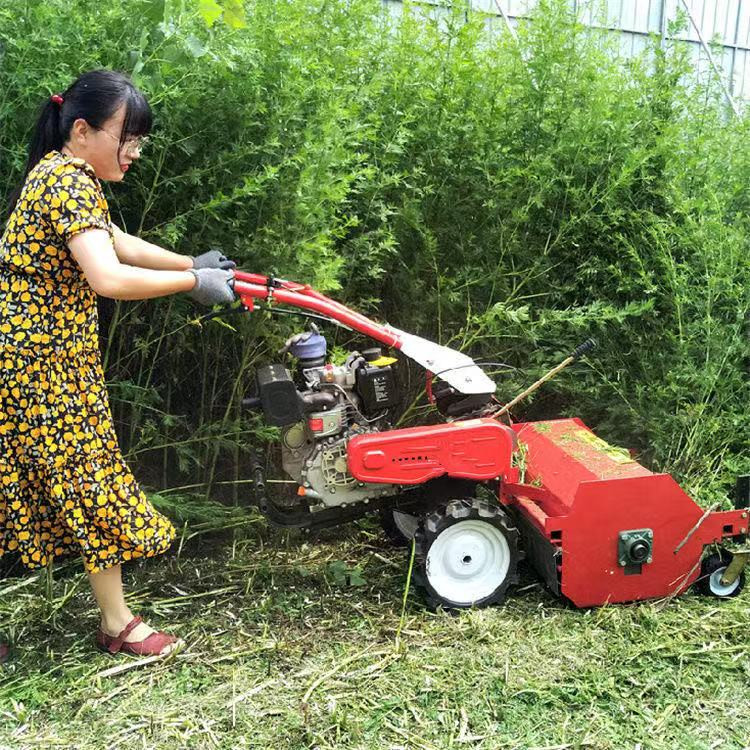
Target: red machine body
(580,495)
(597,526)
(474,449)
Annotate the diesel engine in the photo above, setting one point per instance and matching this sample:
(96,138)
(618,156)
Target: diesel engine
(320,407)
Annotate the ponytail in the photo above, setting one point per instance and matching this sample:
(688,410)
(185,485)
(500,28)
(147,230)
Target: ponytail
(94,96)
(46,138)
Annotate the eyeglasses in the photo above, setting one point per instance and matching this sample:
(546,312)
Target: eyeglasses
(129,144)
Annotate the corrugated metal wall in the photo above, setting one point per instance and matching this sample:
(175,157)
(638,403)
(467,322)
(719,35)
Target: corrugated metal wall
(724,22)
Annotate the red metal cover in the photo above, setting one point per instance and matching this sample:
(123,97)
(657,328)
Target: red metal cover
(475,449)
(581,493)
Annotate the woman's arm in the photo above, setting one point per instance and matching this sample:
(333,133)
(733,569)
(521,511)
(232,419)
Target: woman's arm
(95,253)
(133,251)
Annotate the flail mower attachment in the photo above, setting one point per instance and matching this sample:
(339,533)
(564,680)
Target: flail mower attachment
(600,528)
(475,495)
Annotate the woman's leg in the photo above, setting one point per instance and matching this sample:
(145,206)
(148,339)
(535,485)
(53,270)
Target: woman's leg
(107,588)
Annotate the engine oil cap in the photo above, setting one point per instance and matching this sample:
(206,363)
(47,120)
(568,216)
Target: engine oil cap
(374,357)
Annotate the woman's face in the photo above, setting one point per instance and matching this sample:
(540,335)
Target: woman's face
(100,147)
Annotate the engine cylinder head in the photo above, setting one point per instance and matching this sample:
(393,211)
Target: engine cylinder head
(311,352)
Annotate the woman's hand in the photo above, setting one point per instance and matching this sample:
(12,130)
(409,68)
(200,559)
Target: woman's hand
(213,286)
(213,259)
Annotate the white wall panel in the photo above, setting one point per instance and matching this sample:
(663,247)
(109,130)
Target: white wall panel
(654,16)
(743,37)
(740,61)
(725,21)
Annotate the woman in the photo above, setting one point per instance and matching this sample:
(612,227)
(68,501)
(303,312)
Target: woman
(64,486)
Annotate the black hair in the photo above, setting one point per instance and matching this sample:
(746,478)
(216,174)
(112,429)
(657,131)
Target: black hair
(94,96)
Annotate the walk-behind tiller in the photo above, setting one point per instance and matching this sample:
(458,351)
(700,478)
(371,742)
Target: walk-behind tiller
(477,495)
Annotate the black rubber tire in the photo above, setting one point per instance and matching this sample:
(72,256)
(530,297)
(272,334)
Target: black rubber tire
(710,565)
(447,515)
(392,532)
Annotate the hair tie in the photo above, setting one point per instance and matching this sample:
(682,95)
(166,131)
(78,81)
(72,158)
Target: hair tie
(57,99)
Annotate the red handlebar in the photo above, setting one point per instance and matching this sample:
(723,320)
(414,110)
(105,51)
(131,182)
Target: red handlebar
(252,286)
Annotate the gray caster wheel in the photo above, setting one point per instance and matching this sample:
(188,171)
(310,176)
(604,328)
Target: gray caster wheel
(712,569)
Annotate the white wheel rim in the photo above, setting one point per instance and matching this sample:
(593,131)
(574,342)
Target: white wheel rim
(716,586)
(468,561)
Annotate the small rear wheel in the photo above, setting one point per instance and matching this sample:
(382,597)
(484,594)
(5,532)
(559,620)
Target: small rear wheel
(712,570)
(467,554)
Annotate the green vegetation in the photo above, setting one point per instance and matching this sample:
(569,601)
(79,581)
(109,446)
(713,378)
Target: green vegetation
(528,195)
(511,198)
(285,653)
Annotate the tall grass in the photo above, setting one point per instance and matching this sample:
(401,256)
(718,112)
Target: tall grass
(514,196)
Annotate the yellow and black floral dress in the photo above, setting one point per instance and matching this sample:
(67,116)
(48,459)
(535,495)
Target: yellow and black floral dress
(64,486)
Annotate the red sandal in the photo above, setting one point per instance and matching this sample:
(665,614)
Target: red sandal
(153,645)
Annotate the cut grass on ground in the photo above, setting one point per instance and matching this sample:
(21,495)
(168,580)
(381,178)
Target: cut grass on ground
(284,652)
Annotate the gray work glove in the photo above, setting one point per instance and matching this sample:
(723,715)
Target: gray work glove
(212,259)
(213,286)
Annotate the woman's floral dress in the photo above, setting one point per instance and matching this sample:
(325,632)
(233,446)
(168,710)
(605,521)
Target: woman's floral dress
(64,486)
